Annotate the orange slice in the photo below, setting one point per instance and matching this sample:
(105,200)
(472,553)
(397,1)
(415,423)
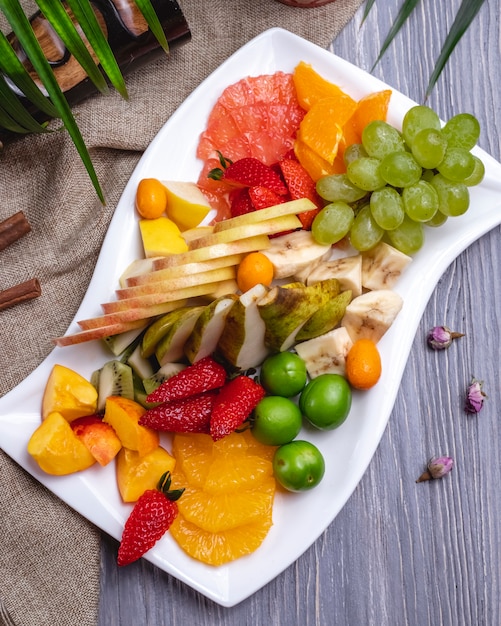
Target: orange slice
(314,164)
(311,87)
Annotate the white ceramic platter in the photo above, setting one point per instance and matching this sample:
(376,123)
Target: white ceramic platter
(298,519)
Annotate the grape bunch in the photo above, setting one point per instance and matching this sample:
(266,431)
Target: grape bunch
(398,182)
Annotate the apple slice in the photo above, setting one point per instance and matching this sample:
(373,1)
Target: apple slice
(186,204)
(293,207)
(266,227)
(133,317)
(181,282)
(186,269)
(248,244)
(100,332)
(148,302)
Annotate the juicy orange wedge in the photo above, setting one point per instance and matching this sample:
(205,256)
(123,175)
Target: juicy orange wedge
(311,87)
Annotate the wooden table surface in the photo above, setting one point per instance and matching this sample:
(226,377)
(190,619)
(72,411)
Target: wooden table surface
(399,553)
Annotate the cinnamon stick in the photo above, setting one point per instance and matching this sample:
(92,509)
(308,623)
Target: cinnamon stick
(13,228)
(23,292)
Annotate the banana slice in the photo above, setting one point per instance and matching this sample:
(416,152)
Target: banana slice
(347,270)
(382,266)
(370,315)
(293,252)
(326,354)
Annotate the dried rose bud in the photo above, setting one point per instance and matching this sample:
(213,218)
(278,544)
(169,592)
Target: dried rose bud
(474,397)
(441,337)
(437,467)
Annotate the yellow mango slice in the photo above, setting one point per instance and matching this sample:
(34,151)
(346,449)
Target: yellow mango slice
(68,393)
(56,448)
(161,237)
(136,474)
(124,414)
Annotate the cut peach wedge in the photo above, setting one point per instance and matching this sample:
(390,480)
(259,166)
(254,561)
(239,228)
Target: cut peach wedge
(68,393)
(136,473)
(123,415)
(99,437)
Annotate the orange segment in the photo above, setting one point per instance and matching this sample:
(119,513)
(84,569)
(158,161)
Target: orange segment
(219,548)
(314,164)
(311,87)
(372,107)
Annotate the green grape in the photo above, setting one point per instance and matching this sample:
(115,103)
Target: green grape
(416,119)
(462,131)
(364,173)
(365,233)
(420,201)
(457,164)
(387,208)
(428,147)
(477,176)
(380,138)
(437,220)
(338,187)
(353,152)
(400,169)
(428,175)
(453,198)
(332,223)
(408,237)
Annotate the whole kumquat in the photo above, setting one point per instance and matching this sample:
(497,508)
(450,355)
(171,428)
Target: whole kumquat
(256,268)
(151,198)
(363,364)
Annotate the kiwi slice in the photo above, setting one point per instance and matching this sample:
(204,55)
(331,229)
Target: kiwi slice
(115,379)
(164,373)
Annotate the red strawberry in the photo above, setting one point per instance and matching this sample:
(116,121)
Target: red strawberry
(149,520)
(234,404)
(251,172)
(262,197)
(185,415)
(240,202)
(203,375)
(301,185)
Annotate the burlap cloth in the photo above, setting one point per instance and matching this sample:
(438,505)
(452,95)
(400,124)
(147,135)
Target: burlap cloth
(49,555)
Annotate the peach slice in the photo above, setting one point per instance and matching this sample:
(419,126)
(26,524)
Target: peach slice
(57,449)
(99,437)
(68,393)
(124,414)
(136,473)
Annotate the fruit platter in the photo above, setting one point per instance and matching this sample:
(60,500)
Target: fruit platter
(347,447)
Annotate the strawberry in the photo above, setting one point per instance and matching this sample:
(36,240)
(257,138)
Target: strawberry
(234,404)
(149,520)
(203,375)
(251,172)
(262,197)
(301,185)
(184,415)
(240,202)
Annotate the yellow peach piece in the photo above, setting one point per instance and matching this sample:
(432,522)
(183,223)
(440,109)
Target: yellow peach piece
(100,438)
(124,414)
(136,474)
(68,393)
(57,449)
(161,237)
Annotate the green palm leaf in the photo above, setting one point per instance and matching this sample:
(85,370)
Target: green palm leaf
(86,17)
(405,10)
(12,67)
(151,18)
(64,27)
(465,16)
(21,26)
(10,105)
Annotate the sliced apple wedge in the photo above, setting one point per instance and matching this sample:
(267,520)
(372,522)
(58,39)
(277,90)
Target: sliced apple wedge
(106,330)
(248,244)
(181,282)
(266,227)
(186,269)
(149,301)
(294,207)
(136,268)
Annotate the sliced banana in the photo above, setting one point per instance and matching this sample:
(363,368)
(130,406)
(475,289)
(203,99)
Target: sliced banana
(326,354)
(293,252)
(382,266)
(347,270)
(370,315)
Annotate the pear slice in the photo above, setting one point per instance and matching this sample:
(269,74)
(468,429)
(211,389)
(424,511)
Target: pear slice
(157,331)
(285,310)
(242,342)
(208,328)
(326,318)
(171,348)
